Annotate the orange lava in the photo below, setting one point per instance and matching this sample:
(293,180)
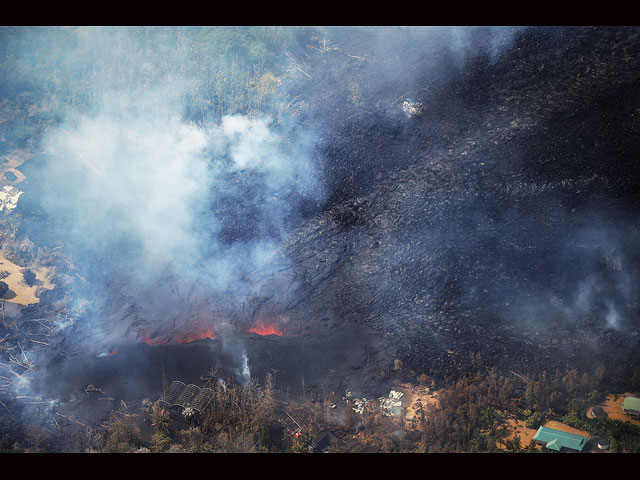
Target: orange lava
(268,329)
(192,337)
(150,341)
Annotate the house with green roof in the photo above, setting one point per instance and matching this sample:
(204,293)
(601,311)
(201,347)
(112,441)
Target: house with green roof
(631,406)
(558,440)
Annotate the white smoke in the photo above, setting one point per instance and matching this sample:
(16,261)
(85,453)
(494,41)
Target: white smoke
(244,372)
(222,383)
(131,168)
(612,317)
(183,211)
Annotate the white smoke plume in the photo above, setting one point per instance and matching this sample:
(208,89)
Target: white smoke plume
(174,211)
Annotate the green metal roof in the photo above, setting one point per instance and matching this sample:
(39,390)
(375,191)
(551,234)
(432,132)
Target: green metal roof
(631,403)
(556,439)
(554,445)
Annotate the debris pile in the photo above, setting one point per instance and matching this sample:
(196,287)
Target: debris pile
(9,197)
(412,109)
(391,406)
(359,405)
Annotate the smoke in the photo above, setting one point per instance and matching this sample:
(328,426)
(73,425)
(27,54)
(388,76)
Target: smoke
(245,372)
(468,43)
(175,214)
(153,198)
(591,283)
(171,224)
(132,170)
(612,317)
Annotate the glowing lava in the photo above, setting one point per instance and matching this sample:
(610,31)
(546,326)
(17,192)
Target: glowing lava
(107,354)
(150,341)
(266,329)
(192,337)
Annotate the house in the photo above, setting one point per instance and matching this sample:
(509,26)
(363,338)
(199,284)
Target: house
(559,440)
(631,406)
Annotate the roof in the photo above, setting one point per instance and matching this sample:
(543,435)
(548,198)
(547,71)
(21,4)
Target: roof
(324,440)
(181,395)
(556,439)
(554,445)
(631,403)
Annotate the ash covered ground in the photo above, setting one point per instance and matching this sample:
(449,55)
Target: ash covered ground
(467,191)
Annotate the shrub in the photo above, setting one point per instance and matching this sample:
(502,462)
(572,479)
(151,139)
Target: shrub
(160,442)
(29,277)
(534,420)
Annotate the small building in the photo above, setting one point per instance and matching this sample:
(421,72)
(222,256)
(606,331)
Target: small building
(631,406)
(559,440)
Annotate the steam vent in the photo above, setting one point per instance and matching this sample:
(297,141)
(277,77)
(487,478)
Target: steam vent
(319,239)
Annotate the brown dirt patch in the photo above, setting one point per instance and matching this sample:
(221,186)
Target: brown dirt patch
(24,294)
(13,160)
(412,395)
(613,406)
(518,428)
(565,428)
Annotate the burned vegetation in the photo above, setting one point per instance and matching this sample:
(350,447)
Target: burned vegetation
(297,240)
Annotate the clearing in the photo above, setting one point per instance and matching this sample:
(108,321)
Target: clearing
(24,294)
(413,395)
(613,406)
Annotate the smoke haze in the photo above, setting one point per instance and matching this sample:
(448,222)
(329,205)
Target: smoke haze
(422,182)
